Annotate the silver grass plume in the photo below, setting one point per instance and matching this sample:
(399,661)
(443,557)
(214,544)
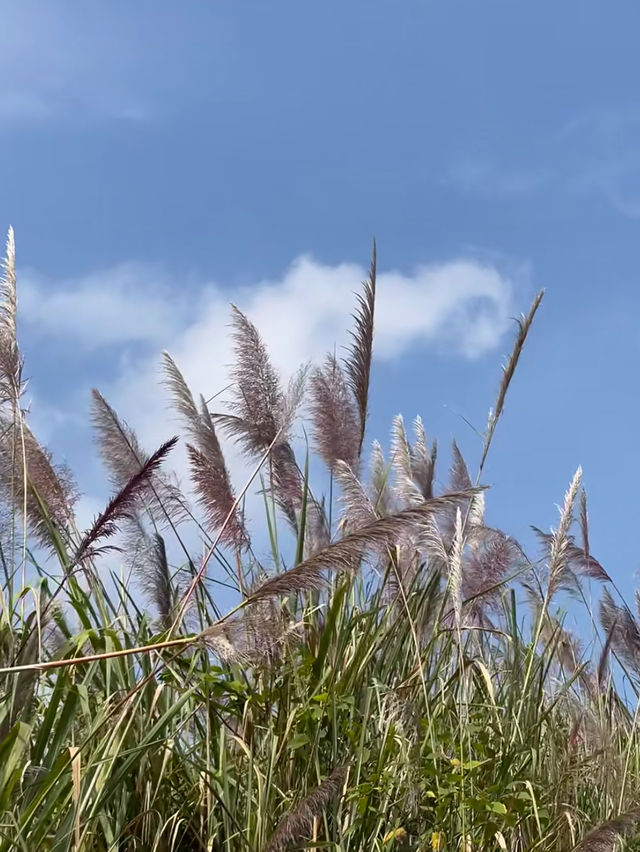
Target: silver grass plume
(619,624)
(345,554)
(358,510)
(317,533)
(298,823)
(381,496)
(262,415)
(117,442)
(414,465)
(287,482)
(508,371)
(294,396)
(50,489)
(423,460)
(124,458)
(605,837)
(459,480)
(475,516)
(455,570)
(559,544)
(258,403)
(490,556)
(209,473)
(256,636)
(567,561)
(336,421)
(157,578)
(432,543)
(10,359)
(124,505)
(197,426)
(577,562)
(216,500)
(401,463)
(147,560)
(584,523)
(358,361)
(603,662)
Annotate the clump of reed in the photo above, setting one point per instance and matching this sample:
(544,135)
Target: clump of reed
(400,676)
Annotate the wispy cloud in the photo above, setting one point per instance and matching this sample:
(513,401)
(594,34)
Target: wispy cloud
(603,144)
(595,154)
(129,303)
(484,177)
(461,305)
(62,62)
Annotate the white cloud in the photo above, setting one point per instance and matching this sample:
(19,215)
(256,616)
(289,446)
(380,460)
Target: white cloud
(462,307)
(133,311)
(128,303)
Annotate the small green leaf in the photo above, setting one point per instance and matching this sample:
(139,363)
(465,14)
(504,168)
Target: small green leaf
(297,741)
(472,764)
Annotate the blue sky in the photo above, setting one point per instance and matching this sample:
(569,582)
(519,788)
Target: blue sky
(158,160)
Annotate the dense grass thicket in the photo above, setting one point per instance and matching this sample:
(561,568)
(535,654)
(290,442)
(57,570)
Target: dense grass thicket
(396,676)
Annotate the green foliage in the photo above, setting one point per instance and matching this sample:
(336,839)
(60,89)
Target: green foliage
(179,752)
